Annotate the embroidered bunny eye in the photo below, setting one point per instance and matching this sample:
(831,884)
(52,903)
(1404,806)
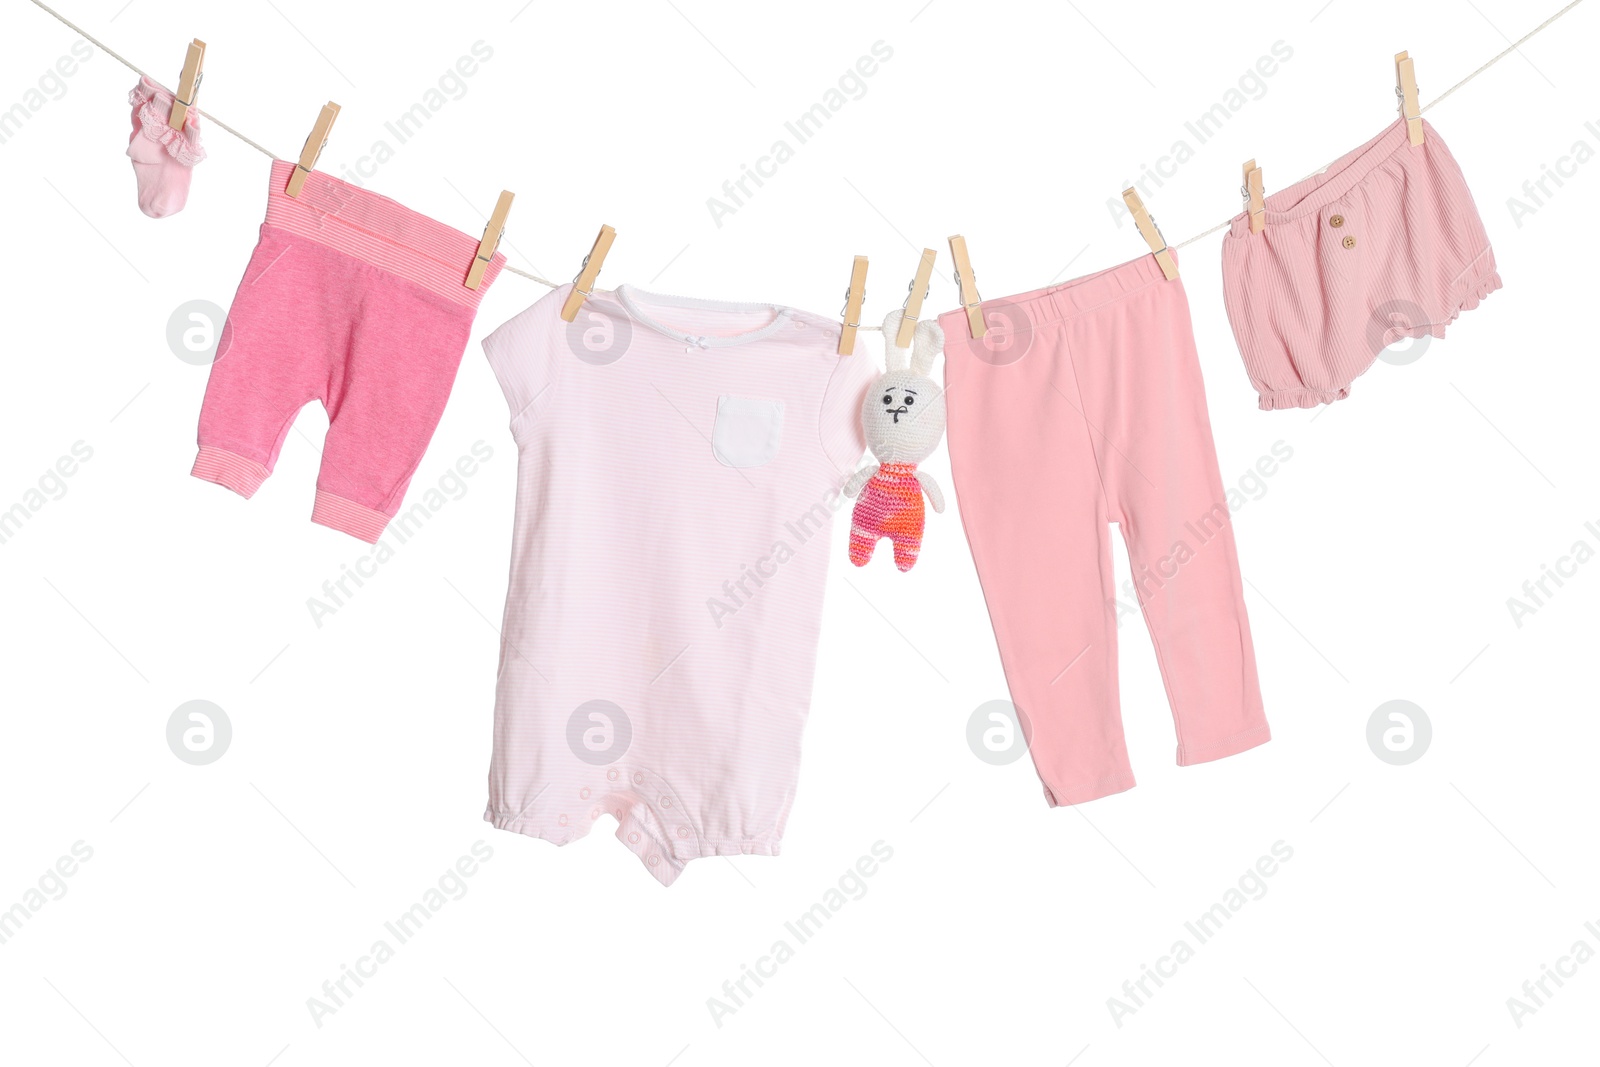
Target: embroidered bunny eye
(887,399)
(910,400)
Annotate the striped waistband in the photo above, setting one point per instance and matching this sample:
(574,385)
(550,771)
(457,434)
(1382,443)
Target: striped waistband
(380,232)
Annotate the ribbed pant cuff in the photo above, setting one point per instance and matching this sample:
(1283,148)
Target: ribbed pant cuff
(244,476)
(347,516)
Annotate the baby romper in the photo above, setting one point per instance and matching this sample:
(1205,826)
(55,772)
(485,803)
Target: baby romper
(679,466)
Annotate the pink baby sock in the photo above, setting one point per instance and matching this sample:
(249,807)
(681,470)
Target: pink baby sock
(162,156)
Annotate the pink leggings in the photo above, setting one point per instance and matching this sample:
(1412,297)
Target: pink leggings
(356,301)
(1083,406)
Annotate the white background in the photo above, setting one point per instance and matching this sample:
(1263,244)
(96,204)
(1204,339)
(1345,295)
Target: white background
(219,898)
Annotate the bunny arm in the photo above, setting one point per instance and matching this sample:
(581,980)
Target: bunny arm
(860,478)
(931,487)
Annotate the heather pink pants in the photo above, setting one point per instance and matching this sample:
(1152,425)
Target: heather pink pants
(1083,406)
(356,301)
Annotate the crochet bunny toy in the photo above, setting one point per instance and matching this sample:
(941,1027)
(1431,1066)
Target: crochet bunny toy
(903,417)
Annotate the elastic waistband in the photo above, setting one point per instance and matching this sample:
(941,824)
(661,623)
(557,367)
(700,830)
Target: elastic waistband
(380,232)
(1338,178)
(1068,299)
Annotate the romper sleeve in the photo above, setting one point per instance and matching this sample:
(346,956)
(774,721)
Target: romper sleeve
(524,352)
(843,440)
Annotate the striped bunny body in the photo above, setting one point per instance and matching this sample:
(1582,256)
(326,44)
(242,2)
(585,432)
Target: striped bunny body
(890,506)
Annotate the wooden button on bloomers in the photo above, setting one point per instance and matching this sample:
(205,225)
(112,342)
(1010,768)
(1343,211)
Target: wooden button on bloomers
(1349,242)
(1337,220)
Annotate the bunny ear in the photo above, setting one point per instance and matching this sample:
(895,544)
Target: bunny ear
(895,358)
(928,343)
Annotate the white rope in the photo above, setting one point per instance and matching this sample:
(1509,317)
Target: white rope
(1518,44)
(1431,105)
(554,285)
(1208,233)
(101,45)
(535,277)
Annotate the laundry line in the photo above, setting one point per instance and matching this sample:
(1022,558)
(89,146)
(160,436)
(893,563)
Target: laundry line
(508,268)
(1435,102)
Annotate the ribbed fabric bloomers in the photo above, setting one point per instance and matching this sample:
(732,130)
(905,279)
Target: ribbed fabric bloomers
(1081,406)
(1385,243)
(357,301)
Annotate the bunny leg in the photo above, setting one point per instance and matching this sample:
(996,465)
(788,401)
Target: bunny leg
(864,531)
(905,551)
(862,543)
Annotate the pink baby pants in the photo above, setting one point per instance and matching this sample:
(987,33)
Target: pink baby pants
(1082,406)
(356,301)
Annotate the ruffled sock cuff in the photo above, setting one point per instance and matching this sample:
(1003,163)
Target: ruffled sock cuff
(152,106)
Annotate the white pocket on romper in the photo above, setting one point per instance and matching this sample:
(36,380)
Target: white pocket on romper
(747,432)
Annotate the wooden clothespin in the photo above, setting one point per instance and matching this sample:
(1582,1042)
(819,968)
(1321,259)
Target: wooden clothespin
(315,142)
(1255,201)
(971,302)
(491,239)
(188,84)
(914,298)
(853,299)
(583,284)
(1151,233)
(1406,89)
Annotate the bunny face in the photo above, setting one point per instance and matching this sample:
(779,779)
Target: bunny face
(903,414)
